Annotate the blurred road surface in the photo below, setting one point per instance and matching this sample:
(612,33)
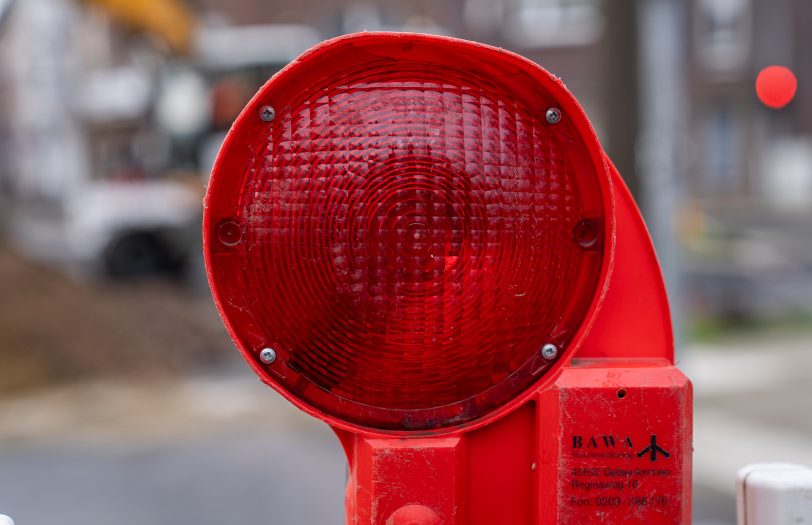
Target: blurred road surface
(223,449)
(208,451)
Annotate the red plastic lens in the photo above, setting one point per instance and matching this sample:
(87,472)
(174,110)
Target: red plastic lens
(408,231)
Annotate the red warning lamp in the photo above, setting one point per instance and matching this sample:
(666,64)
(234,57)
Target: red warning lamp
(776,86)
(417,239)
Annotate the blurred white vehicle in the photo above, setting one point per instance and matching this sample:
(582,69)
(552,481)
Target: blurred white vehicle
(106,145)
(133,229)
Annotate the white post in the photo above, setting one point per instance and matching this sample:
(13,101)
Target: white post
(5,520)
(774,494)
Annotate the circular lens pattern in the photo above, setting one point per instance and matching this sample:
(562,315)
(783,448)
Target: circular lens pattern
(407,233)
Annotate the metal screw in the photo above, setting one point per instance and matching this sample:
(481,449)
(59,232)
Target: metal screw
(553,115)
(267,355)
(549,351)
(267,113)
(229,233)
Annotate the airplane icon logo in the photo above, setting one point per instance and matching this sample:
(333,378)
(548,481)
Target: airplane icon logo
(653,449)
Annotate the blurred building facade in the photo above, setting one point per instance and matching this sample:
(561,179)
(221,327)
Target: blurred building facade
(92,95)
(731,140)
(745,153)
(749,171)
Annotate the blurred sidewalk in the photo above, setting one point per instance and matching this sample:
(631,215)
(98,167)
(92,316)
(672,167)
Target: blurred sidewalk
(751,405)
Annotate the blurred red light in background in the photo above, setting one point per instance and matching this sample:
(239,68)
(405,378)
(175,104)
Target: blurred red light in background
(409,231)
(775,86)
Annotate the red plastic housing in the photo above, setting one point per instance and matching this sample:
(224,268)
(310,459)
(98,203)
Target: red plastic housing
(407,228)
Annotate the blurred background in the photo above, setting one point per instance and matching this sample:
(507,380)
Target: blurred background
(121,398)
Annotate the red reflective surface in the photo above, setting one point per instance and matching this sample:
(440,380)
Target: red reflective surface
(409,230)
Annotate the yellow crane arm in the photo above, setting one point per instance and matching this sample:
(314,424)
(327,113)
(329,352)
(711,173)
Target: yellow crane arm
(169,20)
